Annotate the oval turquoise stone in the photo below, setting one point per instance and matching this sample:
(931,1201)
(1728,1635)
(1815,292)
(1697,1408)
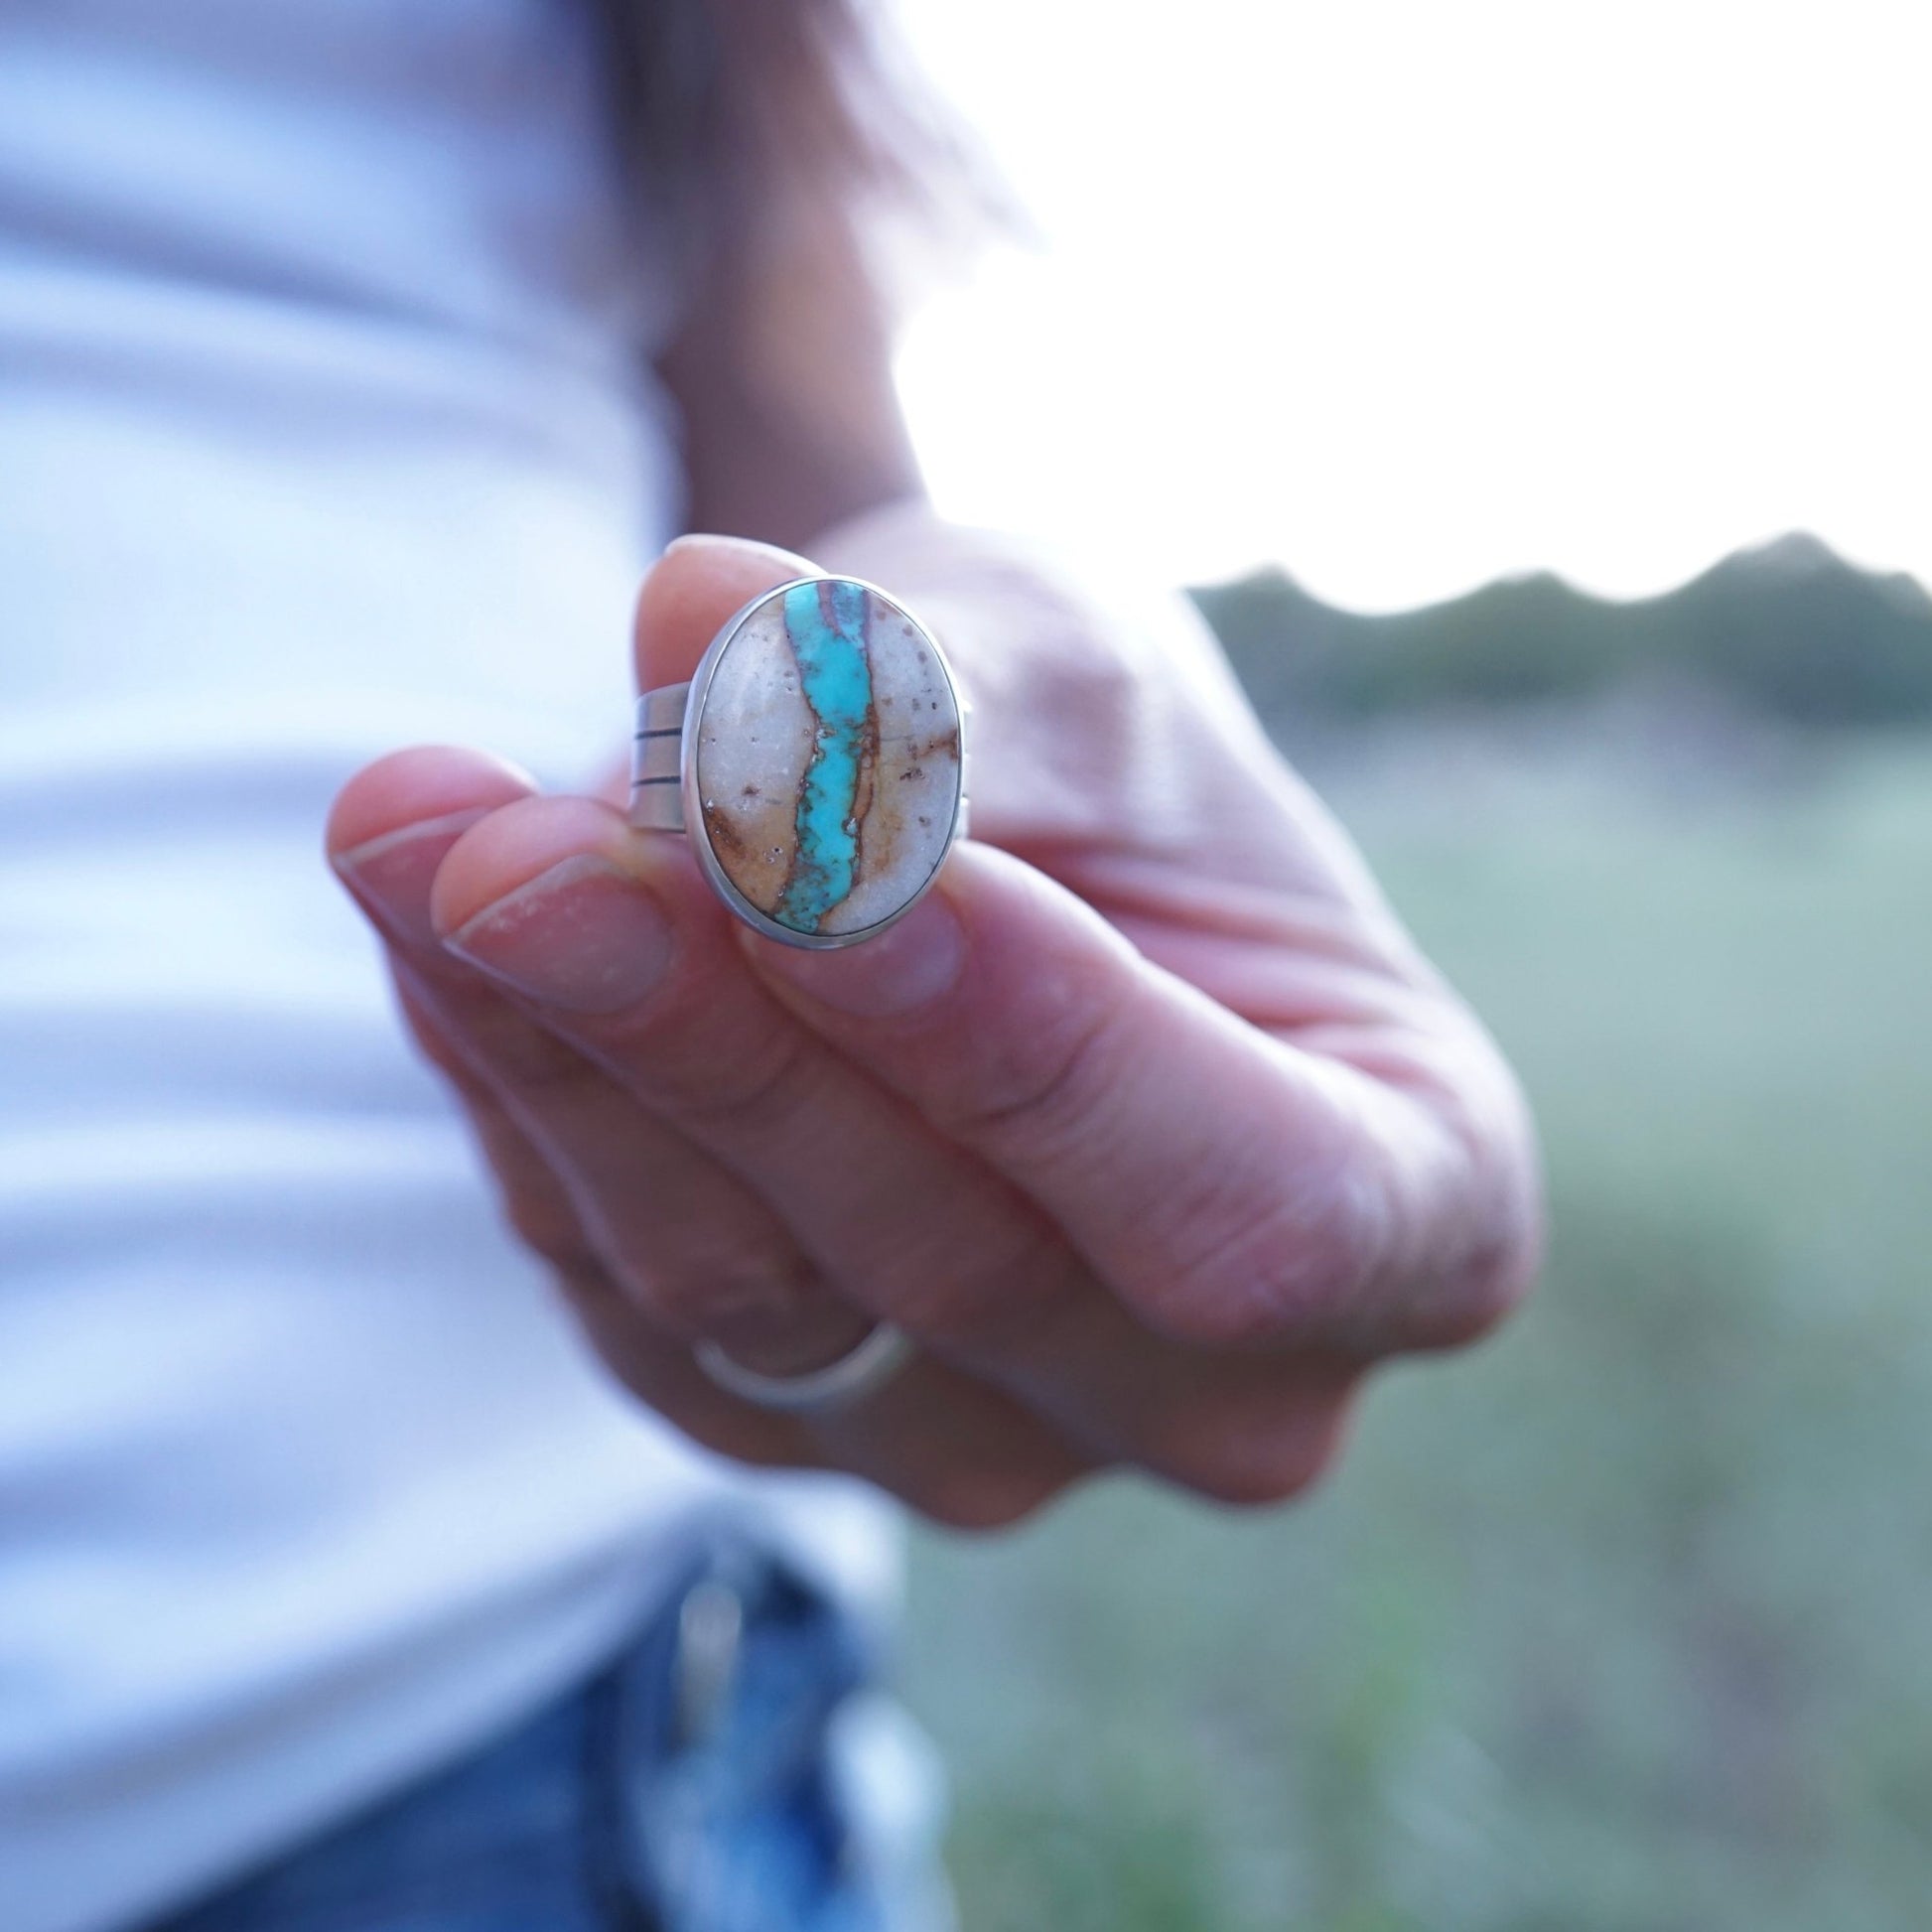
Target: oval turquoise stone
(828,762)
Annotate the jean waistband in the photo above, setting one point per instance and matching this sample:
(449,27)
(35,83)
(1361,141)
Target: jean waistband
(732,1768)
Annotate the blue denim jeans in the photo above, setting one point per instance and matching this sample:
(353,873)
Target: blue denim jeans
(735,1770)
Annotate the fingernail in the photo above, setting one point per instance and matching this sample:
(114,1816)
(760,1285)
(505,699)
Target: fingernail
(392,871)
(580,934)
(907,965)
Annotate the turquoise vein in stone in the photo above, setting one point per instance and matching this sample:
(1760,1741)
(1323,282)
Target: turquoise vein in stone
(826,626)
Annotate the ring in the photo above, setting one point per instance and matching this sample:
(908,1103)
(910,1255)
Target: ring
(872,1361)
(816,758)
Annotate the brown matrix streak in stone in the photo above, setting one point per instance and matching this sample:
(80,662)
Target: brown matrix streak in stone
(791,872)
(752,845)
(865,781)
(864,794)
(889,812)
(931,748)
(723,832)
(928,746)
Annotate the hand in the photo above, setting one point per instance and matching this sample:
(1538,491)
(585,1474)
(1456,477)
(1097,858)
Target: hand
(1149,1124)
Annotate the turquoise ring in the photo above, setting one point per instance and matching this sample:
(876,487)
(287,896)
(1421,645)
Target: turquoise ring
(816,759)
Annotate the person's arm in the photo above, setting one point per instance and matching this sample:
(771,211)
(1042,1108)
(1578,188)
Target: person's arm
(781,371)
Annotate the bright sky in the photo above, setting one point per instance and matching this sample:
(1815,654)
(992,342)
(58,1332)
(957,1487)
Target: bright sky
(1406,296)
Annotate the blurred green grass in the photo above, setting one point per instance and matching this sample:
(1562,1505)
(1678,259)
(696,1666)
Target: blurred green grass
(1622,1621)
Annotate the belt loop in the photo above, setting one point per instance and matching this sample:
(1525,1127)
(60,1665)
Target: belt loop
(636,1715)
(704,1667)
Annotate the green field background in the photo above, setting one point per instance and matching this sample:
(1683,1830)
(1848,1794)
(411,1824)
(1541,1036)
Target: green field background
(1623,1619)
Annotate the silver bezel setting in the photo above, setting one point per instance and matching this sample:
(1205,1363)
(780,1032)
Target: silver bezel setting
(693,804)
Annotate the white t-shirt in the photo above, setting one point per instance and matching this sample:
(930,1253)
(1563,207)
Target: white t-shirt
(323,430)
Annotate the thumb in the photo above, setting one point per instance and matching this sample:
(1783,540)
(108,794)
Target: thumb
(1231,1187)
(693,587)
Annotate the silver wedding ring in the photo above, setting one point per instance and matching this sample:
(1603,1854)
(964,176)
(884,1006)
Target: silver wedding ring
(880,1353)
(816,759)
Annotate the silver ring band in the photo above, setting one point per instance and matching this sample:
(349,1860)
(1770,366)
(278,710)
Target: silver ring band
(656,768)
(816,758)
(877,1355)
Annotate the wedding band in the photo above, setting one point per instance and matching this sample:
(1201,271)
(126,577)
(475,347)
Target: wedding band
(816,759)
(881,1352)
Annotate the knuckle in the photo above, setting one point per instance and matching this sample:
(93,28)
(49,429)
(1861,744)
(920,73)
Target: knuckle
(727,1091)
(1486,1248)
(545,1226)
(1256,1461)
(980,1501)
(1490,1217)
(1030,1103)
(518,1049)
(1251,1264)
(1480,1292)
(538,1211)
(589,1288)
(1262,1284)
(985,1302)
(694,1298)
(1085,675)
